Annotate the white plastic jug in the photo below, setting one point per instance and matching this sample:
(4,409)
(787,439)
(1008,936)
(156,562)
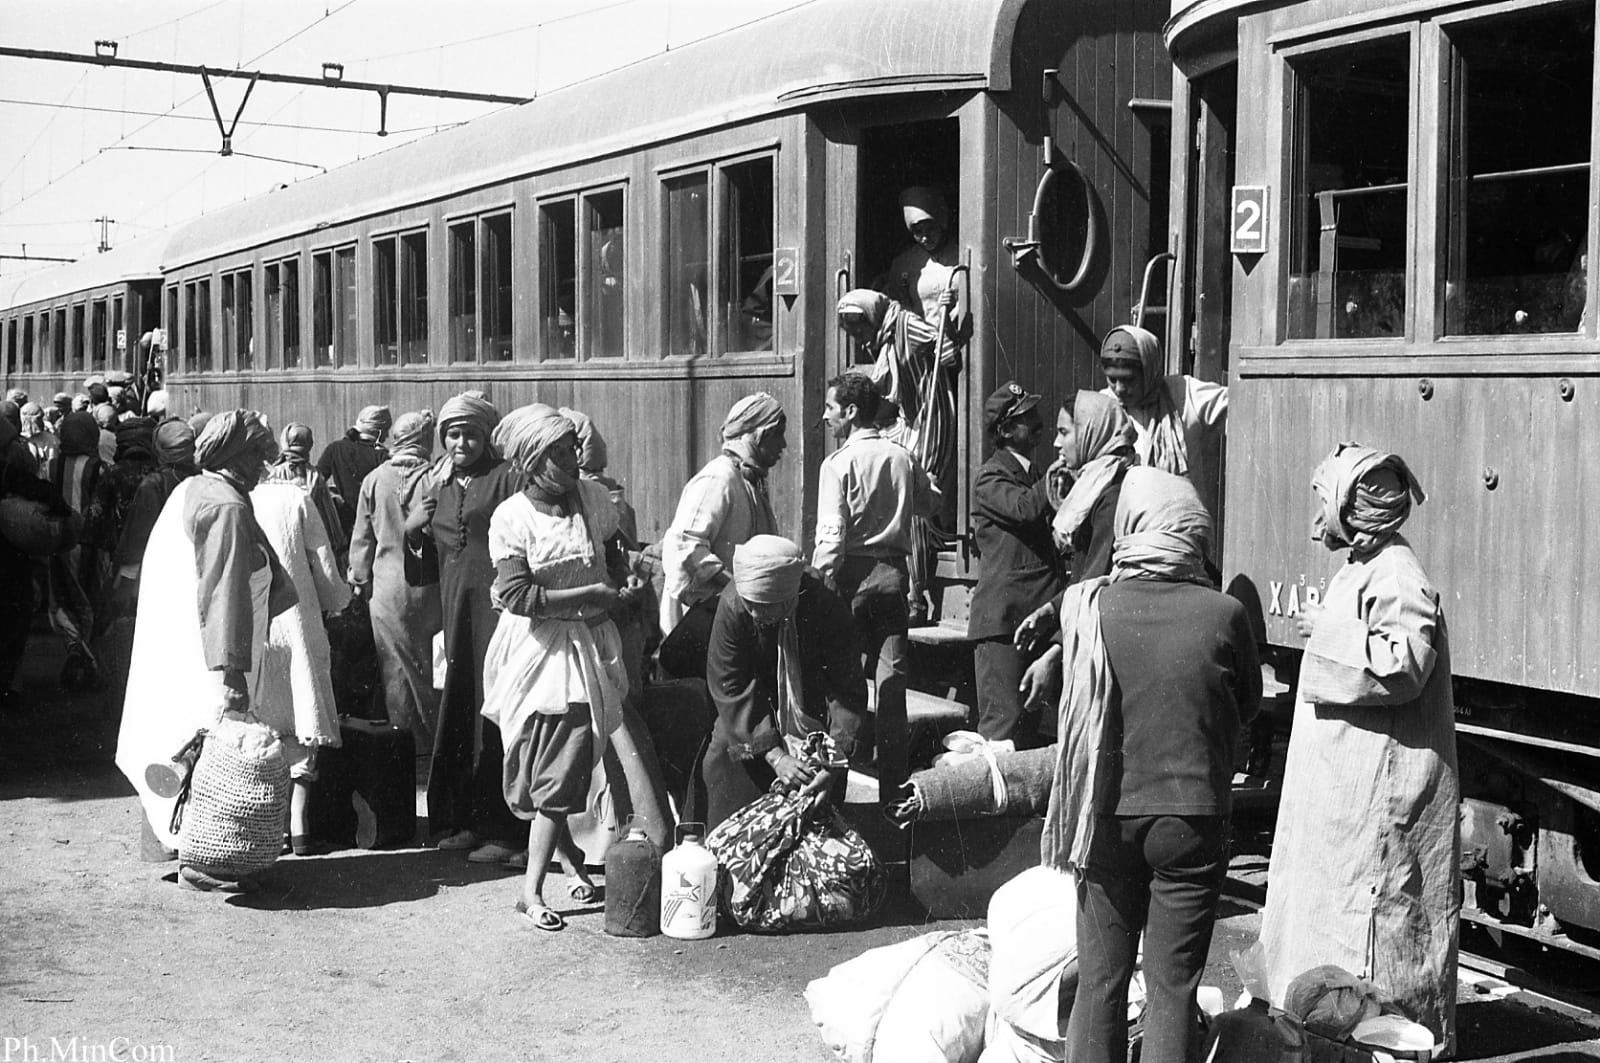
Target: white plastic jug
(689,887)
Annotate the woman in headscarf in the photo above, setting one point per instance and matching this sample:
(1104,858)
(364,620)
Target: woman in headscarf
(1161,672)
(345,463)
(38,437)
(915,365)
(553,676)
(1179,420)
(783,663)
(404,617)
(919,276)
(174,448)
(74,573)
(210,586)
(466,808)
(294,466)
(1365,870)
(296,690)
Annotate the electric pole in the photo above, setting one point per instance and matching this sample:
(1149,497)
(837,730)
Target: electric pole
(105,244)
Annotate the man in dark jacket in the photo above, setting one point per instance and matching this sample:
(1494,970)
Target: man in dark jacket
(1018,568)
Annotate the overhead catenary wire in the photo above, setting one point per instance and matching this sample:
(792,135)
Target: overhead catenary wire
(203,118)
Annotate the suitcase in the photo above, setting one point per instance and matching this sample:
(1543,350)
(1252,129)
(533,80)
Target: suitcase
(376,763)
(956,865)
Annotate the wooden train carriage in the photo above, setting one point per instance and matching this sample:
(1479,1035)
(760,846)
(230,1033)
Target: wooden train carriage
(60,325)
(1388,215)
(654,243)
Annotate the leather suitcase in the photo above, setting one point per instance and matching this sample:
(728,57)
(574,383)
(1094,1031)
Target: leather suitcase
(956,865)
(376,763)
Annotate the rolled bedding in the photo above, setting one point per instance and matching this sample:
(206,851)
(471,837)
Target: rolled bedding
(1008,783)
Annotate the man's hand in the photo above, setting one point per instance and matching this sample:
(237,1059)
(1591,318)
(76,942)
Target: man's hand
(1042,681)
(1036,627)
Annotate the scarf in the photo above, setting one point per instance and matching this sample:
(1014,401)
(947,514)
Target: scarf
(1169,446)
(373,421)
(136,439)
(79,435)
(174,442)
(1366,496)
(525,438)
(229,436)
(751,414)
(1162,531)
(767,570)
(469,408)
(592,453)
(1103,448)
(295,443)
(411,442)
(919,204)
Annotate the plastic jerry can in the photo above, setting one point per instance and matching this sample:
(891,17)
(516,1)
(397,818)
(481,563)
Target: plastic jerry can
(633,885)
(689,887)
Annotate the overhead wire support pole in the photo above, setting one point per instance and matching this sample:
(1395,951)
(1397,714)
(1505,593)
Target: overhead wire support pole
(327,81)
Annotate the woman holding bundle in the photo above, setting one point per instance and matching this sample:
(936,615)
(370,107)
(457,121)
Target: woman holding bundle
(553,678)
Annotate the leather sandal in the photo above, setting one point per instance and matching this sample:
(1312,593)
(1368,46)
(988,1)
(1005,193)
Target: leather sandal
(541,917)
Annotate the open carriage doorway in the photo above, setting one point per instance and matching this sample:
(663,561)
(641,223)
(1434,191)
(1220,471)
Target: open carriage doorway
(891,159)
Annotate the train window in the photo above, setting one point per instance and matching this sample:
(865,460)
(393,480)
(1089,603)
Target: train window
(385,304)
(77,340)
(495,288)
(558,278)
(1349,192)
(290,319)
(272,291)
(118,349)
(238,320)
(414,298)
(45,344)
(1517,235)
(170,321)
(27,342)
(464,292)
(11,346)
(746,253)
(333,307)
(97,335)
(58,343)
(605,260)
(688,254)
(197,297)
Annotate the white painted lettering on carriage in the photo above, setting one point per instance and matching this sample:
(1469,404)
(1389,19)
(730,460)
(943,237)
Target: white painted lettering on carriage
(1276,608)
(78,1049)
(786,271)
(1250,220)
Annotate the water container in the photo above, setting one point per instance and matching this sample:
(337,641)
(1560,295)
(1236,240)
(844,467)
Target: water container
(633,885)
(689,887)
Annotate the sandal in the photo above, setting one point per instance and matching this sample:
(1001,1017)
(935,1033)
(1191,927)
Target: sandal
(583,892)
(541,917)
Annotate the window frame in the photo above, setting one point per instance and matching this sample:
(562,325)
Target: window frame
(483,341)
(344,343)
(717,222)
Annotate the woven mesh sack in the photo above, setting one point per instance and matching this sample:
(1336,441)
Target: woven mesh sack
(238,796)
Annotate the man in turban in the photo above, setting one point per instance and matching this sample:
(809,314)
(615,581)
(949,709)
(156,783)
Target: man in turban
(724,504)
(210,585)
(346,462)
(174,450)
(782,664)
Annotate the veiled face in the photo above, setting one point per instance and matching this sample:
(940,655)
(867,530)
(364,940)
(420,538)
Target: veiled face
(559,464)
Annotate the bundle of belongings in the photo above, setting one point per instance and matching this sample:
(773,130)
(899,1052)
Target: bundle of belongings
(1328,1016)
(787,861)
(996,995)
(978,778)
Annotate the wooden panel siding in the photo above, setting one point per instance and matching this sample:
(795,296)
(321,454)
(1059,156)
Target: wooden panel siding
(1510,562)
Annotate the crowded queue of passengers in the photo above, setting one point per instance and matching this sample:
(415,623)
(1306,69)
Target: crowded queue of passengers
(1096,601)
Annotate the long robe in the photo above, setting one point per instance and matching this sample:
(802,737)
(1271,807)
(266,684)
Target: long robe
(404,618)
(296,664)
(205,600)
(1365,869)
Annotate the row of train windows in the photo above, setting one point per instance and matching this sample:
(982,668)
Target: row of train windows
(61,340)
(718,290)
(1514,132)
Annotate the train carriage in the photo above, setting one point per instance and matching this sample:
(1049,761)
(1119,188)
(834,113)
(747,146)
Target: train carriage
(1385,214)
(653,243)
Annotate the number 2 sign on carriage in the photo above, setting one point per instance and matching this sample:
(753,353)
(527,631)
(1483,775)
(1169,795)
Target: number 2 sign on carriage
(1249,226)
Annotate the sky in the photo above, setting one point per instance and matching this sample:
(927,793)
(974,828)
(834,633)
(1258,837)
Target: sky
(81,142)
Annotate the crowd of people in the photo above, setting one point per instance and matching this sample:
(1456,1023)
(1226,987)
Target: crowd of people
(1096,623)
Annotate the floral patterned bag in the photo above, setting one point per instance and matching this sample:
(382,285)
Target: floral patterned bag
(788,862)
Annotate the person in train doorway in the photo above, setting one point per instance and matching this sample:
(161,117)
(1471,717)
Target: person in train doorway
(1365,870)
(915,364)
(723,505)
(1178,420)
(919,277)
(868,494)
(1018,569)
(346,462)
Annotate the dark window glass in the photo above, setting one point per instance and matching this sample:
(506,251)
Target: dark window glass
(1522,108)
(170,323)
(746,255)
(119,350)
(229,318)
(202,336)
(58,343)
(414,298)
(322,308)
(463,292)
(496,288)
(245,324)
(605,292)
(272,292)
(27,342)
(77,339)
(290,282)
(385,302)
(1347,274)
(558,278)
(11,346)
(688,266)
(344,316)
(97,335)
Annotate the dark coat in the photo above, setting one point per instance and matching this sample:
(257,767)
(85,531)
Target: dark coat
(1019,569)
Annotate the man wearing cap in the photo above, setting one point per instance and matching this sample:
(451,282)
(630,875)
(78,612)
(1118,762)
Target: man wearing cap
(782,663)
(722,506)
(868,493)
(345,462)
(1019,569)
